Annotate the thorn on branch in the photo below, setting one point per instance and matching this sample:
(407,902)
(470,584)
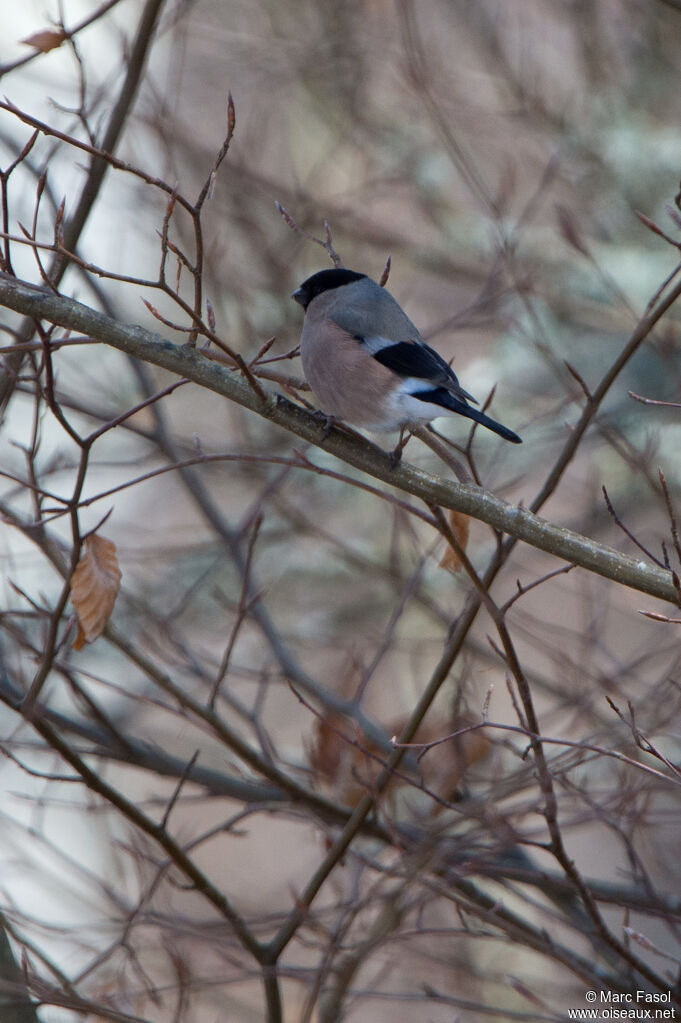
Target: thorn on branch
(569,230)
(326,244)
(165,244)
(264,348)
(672,518)
(652,226)
(628,532)
(659,617)
(59,225)
(40,188)
(168,323)
(386,272)
(24,153)
(653,401)
(580,380)
(522,590)
(231,115)
(207,190)
(210,314)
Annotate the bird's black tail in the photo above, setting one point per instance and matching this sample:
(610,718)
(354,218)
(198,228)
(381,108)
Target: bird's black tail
(491,424)
(445,399)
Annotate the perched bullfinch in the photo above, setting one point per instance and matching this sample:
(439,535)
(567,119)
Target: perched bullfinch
(367,363)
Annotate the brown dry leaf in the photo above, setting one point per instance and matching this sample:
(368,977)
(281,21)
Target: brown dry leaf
(80,640)
(443,767)
(325,751)
(349,764)
(335,758)
(45,40)
(94,588)
(460,525)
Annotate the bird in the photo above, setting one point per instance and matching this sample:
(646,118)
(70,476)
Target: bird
(367,363)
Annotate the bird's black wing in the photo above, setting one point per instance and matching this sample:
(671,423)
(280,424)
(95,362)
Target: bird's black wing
(416,359)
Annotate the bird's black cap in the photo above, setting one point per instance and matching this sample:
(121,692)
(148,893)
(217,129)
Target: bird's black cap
(324,280)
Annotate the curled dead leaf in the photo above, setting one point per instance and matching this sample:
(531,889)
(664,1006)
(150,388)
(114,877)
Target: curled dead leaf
(460,525)
(94,588)
(45,40)
(348,763)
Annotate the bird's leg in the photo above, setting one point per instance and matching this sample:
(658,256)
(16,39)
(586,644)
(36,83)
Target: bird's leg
(396,453)
(328,422)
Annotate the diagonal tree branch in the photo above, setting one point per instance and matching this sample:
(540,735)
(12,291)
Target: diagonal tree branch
(517,521)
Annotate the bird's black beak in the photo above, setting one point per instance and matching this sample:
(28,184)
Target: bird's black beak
(299,297)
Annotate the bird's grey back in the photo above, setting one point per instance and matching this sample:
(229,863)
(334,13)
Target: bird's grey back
(365,309)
